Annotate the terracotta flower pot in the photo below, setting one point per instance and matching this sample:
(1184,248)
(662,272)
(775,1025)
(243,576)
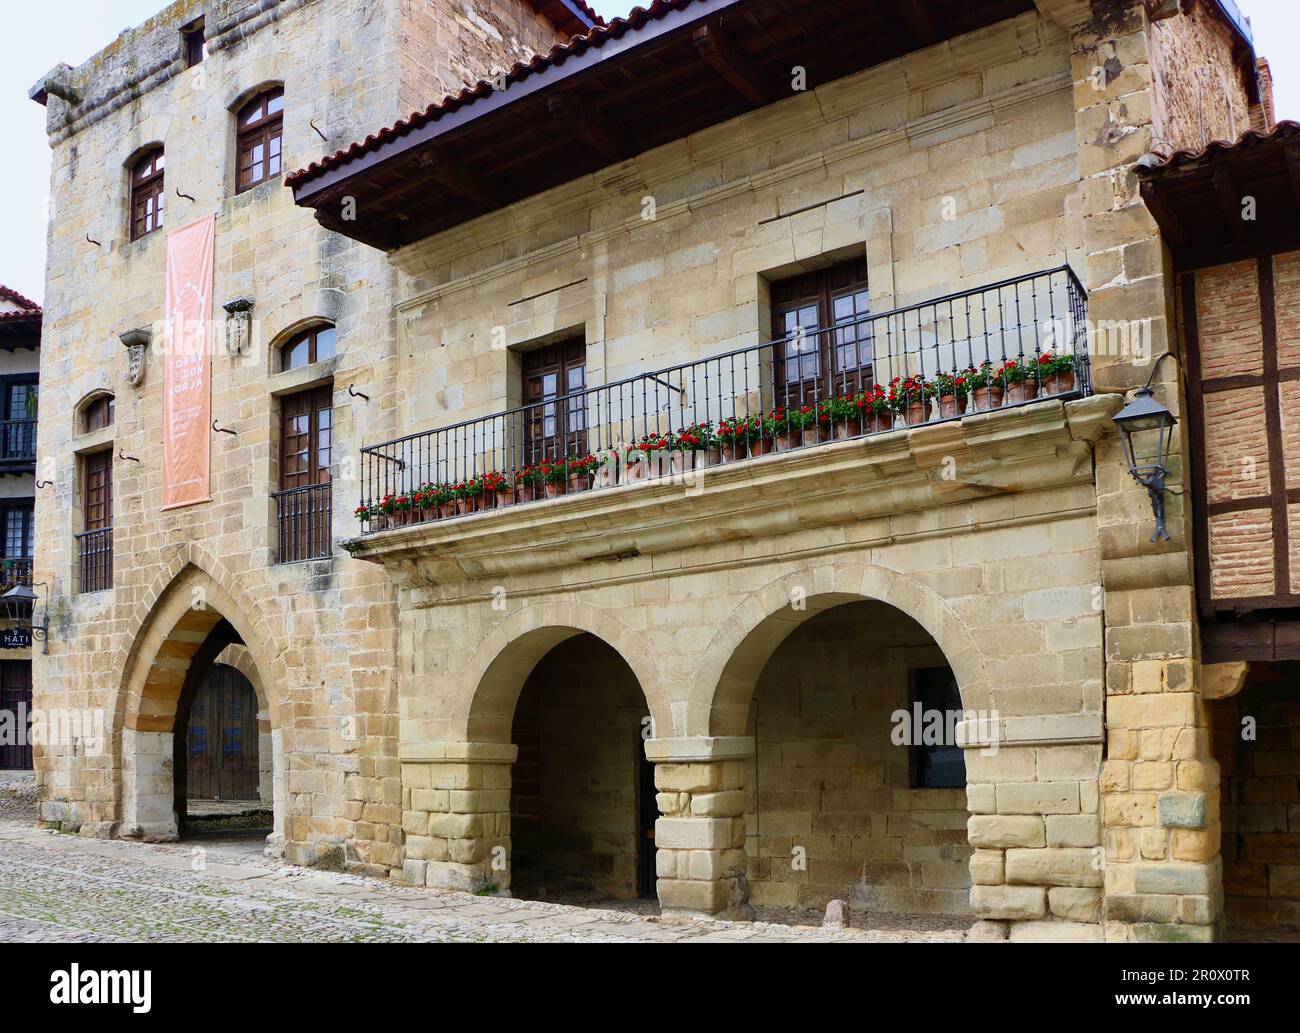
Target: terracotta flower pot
(733,451)
(918,413)
(379,522)
(505,497)
(815,435)
(579,482)
(1058,383)
(1022,392)
(880,422)
(985,399)
(850,428)
(634,471)
(464,507)
(762,446)
(554,489)
(711,456)
(950,406)
(607,476)
(786,440)
(525,493)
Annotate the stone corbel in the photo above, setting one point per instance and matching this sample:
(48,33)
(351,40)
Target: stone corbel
(1219,681)
(137,343)
(239,326)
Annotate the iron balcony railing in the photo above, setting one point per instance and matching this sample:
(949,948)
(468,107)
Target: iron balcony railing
(17,441)
(1005,344)
(14,571)
(95,560)
(302,520)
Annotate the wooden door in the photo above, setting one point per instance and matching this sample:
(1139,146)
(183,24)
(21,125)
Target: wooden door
(16,698)
(554,429)
(222,738)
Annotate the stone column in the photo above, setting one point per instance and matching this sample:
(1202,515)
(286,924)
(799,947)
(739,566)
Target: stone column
(149,795)
(1162,874)
(700,839)
(456,814)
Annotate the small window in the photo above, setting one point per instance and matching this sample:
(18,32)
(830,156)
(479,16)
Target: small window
(97,414)
(147,194)
(260,125)
(936,764)
(194,46)
(314,345)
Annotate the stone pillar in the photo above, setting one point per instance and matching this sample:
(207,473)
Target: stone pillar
(700,839)
(456,815)
(1162,875)
(1036,873)
(149,796)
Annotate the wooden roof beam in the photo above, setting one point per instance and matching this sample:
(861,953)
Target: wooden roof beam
(1230,203)
(598,134)
(1168,221)
(739,73)
(457,178)
(919,19)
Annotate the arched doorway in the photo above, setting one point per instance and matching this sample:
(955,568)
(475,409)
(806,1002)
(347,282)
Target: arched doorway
(186,650)
(857,786)
(579,827)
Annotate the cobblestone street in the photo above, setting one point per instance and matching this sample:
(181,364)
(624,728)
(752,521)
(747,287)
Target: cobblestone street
(61,888)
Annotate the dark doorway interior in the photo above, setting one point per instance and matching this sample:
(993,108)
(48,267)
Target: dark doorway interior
(222,738)
(16,698)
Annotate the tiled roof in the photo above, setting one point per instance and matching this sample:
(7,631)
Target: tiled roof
(28,309)
(1251,138)
(638,19)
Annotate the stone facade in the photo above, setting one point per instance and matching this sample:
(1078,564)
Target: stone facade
(320,633)
(764,620)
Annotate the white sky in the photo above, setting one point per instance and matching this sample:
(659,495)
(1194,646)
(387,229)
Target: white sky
(37,36)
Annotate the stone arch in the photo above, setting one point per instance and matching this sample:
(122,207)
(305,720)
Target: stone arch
(495,676)
(766,617)
(166,634)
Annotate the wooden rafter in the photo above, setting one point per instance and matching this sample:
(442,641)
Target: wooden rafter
(739,73)
(460,180)
(919,19)
(1230,203)
(599,135)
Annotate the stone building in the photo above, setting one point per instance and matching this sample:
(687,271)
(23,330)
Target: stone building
(649,591)
(20,349)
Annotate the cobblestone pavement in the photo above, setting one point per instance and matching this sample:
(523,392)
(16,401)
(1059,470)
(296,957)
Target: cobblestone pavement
(65,888)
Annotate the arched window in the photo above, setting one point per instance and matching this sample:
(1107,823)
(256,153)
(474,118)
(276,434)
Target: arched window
(97,413)
(147,193)
(313,345)
(260,124)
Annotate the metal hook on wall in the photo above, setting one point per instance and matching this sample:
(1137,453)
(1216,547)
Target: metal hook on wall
(312,122)
(92,240)
(223,430)
(44,484)
(357,394)
(186,196)
(123,455)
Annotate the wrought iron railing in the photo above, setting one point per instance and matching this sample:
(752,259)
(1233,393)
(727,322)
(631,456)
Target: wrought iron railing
(1005,344)
(95,560)
(302,520)
(15,570)
(17,440)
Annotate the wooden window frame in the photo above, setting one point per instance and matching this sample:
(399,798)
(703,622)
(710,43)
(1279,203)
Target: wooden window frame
(561,360)
(89,410)
(821,290)
(312,338)
(148,193)
(267,129)
(92,463)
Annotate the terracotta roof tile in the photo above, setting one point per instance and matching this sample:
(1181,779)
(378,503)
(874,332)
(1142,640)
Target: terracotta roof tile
(9,294)
(1251,138)
(636,20)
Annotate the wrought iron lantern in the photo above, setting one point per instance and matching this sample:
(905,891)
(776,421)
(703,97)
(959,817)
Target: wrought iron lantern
(20,607)
(1145,415)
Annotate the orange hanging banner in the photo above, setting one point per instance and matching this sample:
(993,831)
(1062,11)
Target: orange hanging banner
(187,365)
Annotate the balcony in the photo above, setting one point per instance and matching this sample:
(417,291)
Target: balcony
(95,560)
(302,520)
(998,349)
(17,444)
(14,571)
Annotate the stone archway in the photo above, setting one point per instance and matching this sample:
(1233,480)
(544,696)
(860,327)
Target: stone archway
(190,620)
(458,798)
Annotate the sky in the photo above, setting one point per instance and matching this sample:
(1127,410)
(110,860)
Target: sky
(37,36)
